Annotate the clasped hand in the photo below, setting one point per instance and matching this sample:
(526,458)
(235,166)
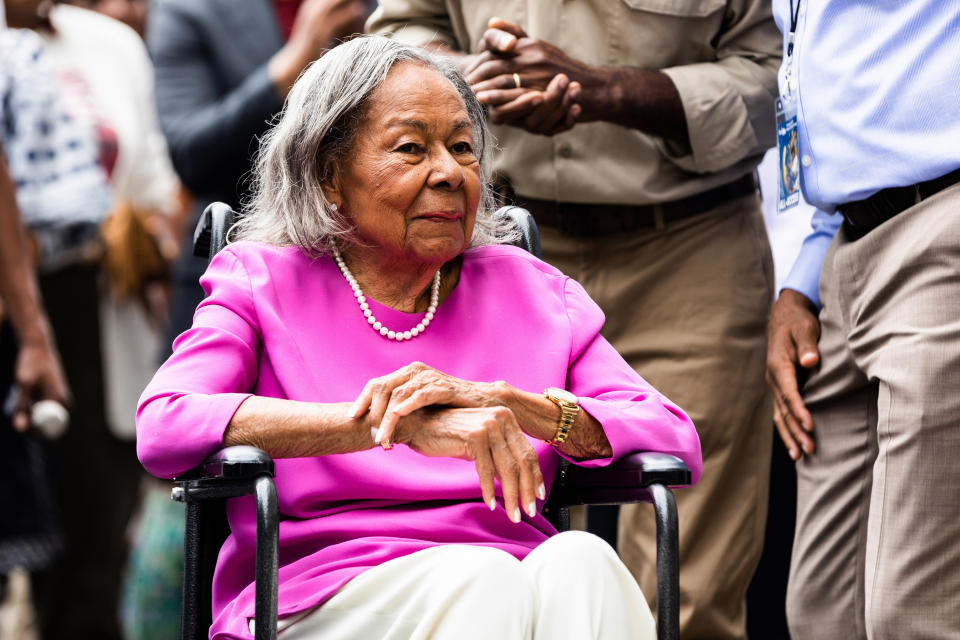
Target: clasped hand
(439,415)
(546,102)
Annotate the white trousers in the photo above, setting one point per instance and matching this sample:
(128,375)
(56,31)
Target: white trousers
(571,586)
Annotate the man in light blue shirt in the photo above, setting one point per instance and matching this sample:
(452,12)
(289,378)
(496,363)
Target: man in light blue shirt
(871,313)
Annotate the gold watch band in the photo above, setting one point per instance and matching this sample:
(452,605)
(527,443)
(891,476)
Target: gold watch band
(569,408)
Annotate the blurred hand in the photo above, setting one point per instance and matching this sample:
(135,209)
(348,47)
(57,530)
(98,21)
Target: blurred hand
(791,343)
(319,25)
(40,377)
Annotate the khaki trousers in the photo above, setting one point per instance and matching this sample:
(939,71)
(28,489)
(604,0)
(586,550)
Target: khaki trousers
(687,307)
(571,587)
(877,550)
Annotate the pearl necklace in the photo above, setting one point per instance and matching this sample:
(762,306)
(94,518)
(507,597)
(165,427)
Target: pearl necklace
(375,324)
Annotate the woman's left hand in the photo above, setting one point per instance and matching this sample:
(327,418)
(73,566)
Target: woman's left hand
(415,386)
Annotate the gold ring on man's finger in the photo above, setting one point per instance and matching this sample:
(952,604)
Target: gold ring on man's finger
(516,80)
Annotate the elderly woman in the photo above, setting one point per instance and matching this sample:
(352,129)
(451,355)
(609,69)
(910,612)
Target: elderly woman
(417,381)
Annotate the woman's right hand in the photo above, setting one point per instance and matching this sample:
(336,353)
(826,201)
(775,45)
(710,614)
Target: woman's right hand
(492,438)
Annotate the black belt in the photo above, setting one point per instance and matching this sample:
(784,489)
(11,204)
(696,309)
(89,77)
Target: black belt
(585,220)
(863,216)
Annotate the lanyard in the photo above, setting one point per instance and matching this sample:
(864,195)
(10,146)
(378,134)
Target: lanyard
(794,15)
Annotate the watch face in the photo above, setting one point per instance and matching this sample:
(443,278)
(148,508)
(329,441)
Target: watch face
(562,395)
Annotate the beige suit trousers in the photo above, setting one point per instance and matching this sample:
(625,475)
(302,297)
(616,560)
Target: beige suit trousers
(687,307)
(877,551)
(571,587)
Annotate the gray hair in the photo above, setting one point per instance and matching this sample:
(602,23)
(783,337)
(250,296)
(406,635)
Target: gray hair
(315,133)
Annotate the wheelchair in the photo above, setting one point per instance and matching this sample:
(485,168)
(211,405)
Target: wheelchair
(243,471)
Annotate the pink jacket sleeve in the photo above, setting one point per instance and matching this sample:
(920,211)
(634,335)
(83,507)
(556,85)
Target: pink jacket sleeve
(186,408)
(634,415)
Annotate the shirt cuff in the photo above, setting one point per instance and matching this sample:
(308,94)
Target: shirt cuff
(805,274)
(719,127)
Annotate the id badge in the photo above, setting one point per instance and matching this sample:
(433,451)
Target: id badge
(788,155)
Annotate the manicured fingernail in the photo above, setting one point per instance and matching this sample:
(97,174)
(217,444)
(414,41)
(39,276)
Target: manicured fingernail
(492,504)
(516,515)
(542,492)
(373,434)
(532,509)
(379,435)
(355,410)
(794,454)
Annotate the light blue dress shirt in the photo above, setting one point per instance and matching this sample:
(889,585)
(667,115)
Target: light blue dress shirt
(878,105)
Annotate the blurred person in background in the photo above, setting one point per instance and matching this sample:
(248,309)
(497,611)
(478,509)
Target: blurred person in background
(108,75)
(223,70)
(29,363)
(105,81)
(631,130)
(63,195)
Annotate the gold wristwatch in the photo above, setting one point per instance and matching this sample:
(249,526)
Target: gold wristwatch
(569,408)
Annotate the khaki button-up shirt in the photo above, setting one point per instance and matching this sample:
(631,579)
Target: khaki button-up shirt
(722,55)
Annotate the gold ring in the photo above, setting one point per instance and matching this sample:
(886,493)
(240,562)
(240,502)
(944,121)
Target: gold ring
(516,80)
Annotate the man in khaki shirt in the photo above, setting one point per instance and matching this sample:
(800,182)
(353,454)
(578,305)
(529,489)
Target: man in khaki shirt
(631,130)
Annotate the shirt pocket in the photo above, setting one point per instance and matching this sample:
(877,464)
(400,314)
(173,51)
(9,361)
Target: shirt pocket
(692,8)
(657,34)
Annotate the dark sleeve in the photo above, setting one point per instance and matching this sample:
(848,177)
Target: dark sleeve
(211,133)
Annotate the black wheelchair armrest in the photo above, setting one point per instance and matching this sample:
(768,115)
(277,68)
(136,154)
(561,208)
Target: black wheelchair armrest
(231,463)
(230,473)
(625,481)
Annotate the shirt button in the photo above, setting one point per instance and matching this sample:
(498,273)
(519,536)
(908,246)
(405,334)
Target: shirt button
(806,160)
(565,150)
